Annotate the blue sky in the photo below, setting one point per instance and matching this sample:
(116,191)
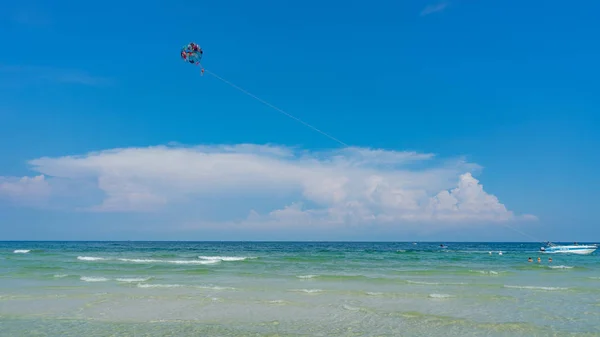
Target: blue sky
(494,103)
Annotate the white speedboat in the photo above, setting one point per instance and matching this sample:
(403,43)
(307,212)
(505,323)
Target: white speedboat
(569,249)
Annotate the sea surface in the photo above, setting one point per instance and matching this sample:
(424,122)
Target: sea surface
(295,289)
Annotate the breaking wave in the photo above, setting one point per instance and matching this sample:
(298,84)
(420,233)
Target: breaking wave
(560,267)
(90,258)
(440,296)
(169,261)
(225,258)
(308,291)
(93,279)
(536,288)
(133,279)
(306,276)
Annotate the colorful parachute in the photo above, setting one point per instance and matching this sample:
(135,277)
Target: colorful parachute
(192,53)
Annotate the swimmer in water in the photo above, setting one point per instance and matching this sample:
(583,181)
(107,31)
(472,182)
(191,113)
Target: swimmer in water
(549,260)
(539,259)
(529,260)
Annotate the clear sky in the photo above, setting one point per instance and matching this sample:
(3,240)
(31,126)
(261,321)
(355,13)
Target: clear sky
(465,120)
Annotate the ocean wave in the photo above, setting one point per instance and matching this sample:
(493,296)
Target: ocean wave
(93,259)
(536,288)
(215,287)
(350,308)
(423,283)
(146,285)
(277,302)
(308,291)
(133,279)
(436,283)
(485,272)
(307,276)
(489,252)
(169,261)
(440,296)
(60,275)
(560,267)
(21,251)
(226,258)
(373,293)
(140,260)
(93,279)
(90,258)
(351,277)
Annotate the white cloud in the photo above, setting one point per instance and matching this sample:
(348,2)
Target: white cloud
(468,200)
(27,190)
(351,186)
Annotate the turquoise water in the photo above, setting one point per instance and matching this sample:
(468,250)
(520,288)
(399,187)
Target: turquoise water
(295,289)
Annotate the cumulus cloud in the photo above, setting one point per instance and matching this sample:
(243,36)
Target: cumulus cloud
(267,185)
(28,190)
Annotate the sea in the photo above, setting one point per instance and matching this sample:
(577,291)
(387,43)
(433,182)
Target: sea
(295,289)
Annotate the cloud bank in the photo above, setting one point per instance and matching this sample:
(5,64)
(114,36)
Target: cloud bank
(25,190)
(266,185)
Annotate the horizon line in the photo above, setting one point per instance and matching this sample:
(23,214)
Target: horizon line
(291,241)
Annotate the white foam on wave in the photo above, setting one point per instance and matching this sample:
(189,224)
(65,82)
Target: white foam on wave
(560,267)
(133,279)
(215,287)
(535,288)
(192,262)
(60,275)
(93,279)
(90,258)
(139,260)
(308,291)
(436,283)
(486,272)
(169,261)
(21,251)
(350,308)
(440,296)
(277,302)
(307,276)
(146,285)
(225,258)
(374,293)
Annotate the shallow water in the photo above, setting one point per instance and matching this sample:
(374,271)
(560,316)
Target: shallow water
(294,289)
